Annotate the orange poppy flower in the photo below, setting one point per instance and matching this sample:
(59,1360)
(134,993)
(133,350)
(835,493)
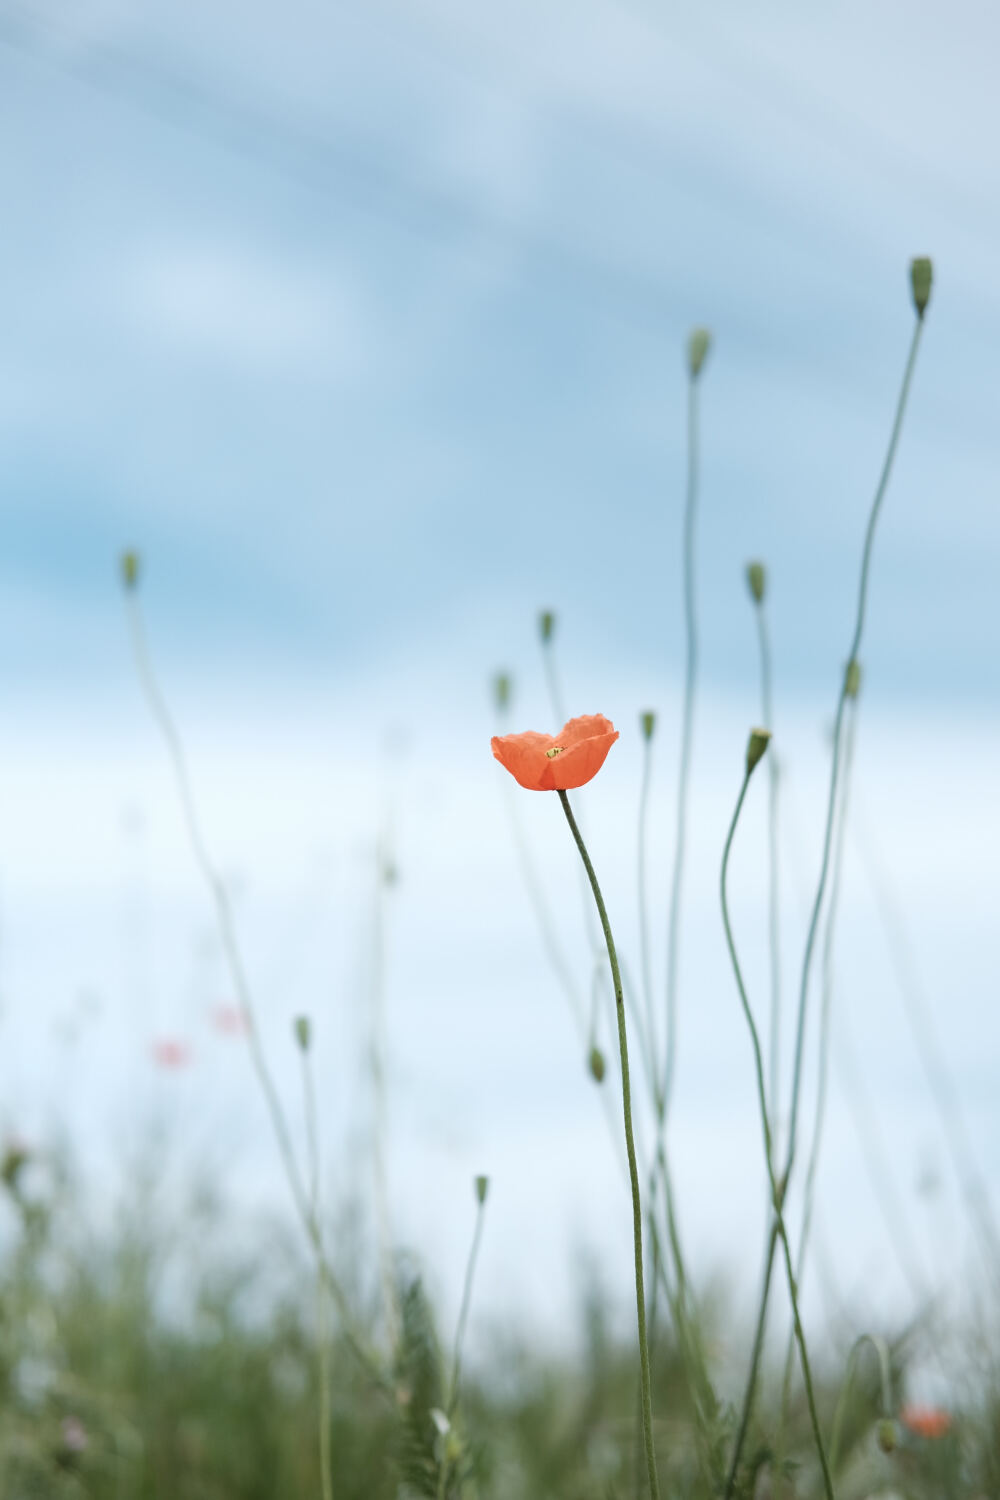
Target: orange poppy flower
(926,1421)
(557,762)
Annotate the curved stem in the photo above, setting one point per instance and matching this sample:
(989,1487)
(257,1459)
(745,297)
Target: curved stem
(640,1299)
(774,896)
(463,1315)
(227,931)
(882,1354)
(687,721)
(835,764)
(777,1190)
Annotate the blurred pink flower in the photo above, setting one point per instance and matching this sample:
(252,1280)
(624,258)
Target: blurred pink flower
(171,1054)
(229,1020)
(926,1421)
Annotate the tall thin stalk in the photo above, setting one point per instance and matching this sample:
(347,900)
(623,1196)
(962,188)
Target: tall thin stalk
(234,959)
(640,1298)
(303,1036)
(755,750)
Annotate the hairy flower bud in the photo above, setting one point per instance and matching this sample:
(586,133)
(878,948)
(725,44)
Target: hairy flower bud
(757,581)
(129,565)
(303,1032)
(546,625)
(648,722)
(756,746)
(885,1434)
(595,1063)
(482,1188)
(921,276)
(698,346)
(501,691)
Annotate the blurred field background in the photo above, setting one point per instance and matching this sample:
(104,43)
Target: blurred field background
(366,328)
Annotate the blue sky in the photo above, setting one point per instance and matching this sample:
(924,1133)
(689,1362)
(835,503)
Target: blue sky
(368,331)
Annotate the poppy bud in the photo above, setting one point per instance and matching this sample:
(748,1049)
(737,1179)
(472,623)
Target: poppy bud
(501,691)
(482,1188)
(921,276)
(303,1032)
(756,746)
(129,564)
(698,345)
(546,625)
(648,722)
(852,678)
(757,581)
(595,1062)
(885,1434)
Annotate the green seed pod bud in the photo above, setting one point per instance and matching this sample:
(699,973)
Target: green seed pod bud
(756,746)
(852,678)
(757,581)
(885,1434)
(921,276)
(648,722)
(482,1188)
(546,625)
(129,565)
(303,1032)
(595,1062)
(698,346)
(501,691)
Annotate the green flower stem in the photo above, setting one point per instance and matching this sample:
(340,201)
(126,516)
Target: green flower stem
(885,1384)
(322,1331)
(687,722)
(835,764)
(774,896)
(777,1189)
(463,1315)
(644,954)
(234,959)
(640,1299)
(809,1191)
(758,1347)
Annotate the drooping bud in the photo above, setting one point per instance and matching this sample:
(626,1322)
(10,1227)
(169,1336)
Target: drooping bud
(886,1435)
(546,625)
(303,1032)
(921,276)
(482,1188)
(852,678)
(501,691)
(756,746)
(757,581)
(595,1063)
(698,345)
(129,565)
(648,722)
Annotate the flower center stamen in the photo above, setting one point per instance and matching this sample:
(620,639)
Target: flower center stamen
(554,751)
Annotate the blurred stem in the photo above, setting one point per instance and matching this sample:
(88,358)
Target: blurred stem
(322,1330)
(383,874)
(876,507)
(758,1346)
(852,656)
(777,1190)
(647,975)
(234,959)
(809,1190)
(463,1315)
(918,1012)
(774,896)
(687,721)
(882,1354)
(640,1300)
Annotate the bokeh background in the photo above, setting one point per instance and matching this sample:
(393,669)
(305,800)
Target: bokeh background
(366,326)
